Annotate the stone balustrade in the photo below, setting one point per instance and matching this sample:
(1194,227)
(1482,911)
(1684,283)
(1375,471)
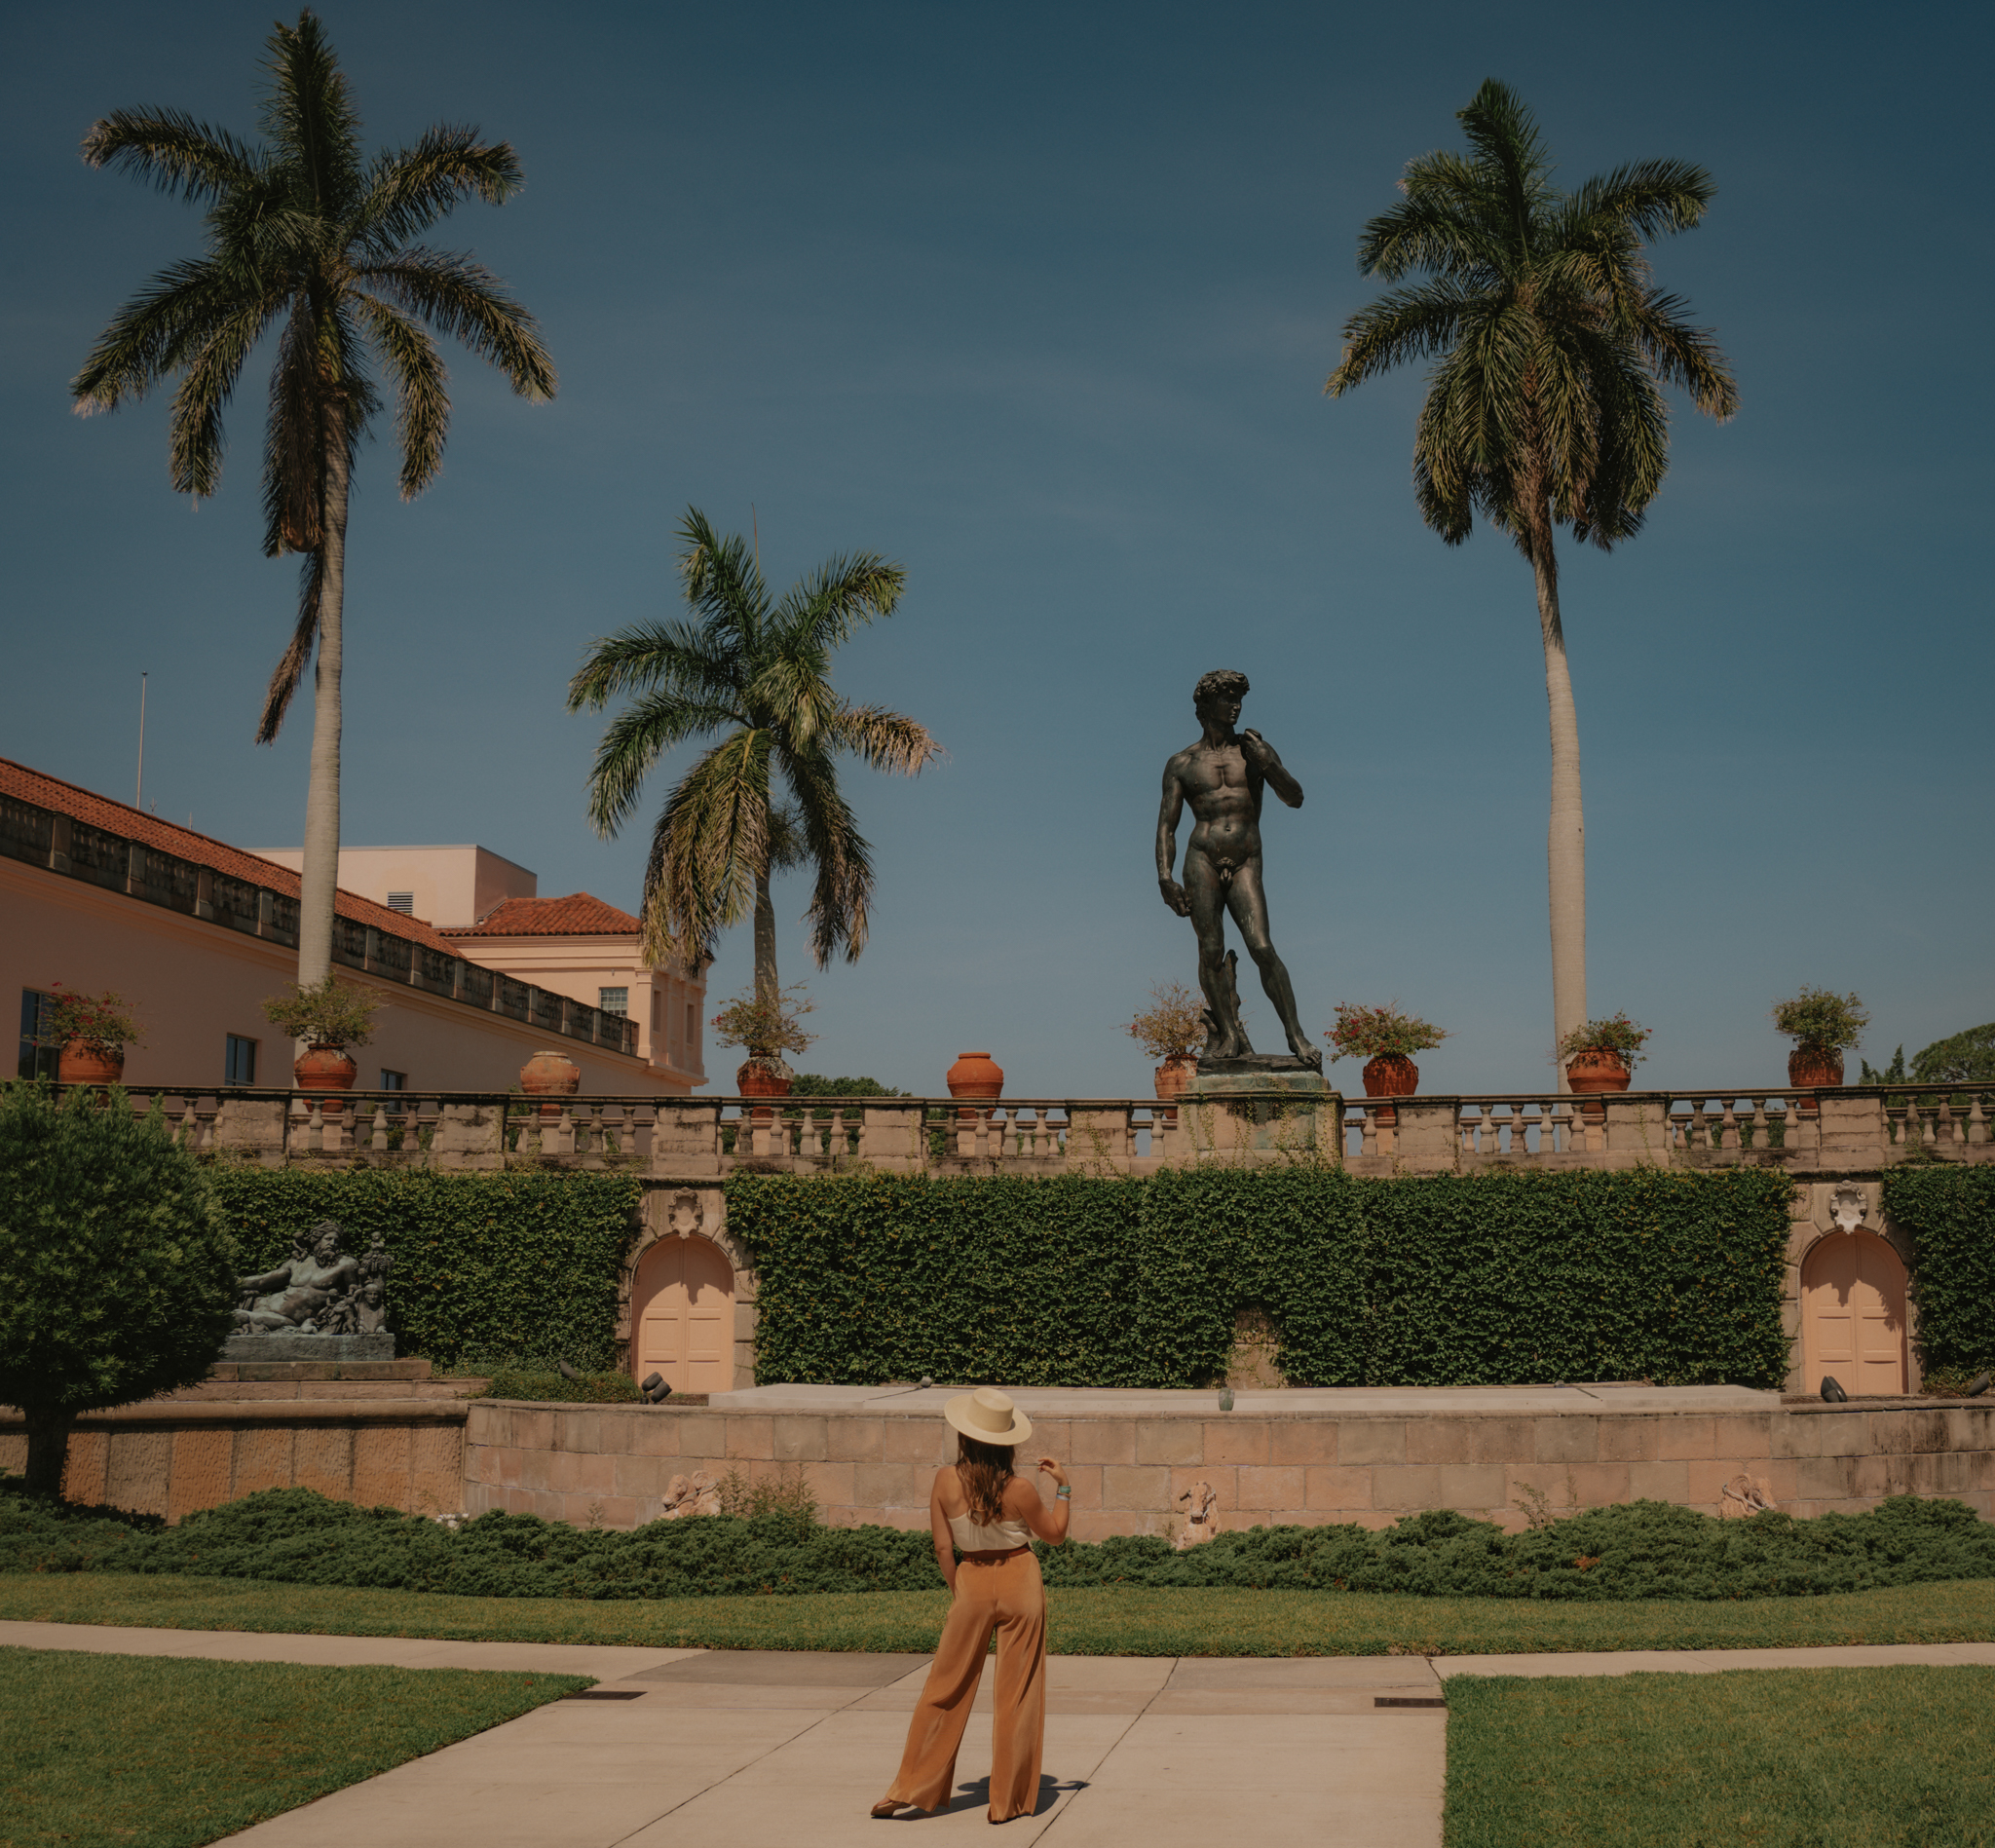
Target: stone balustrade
(1844,1130)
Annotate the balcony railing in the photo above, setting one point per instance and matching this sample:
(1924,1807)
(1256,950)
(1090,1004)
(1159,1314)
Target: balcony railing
(43,838)
(1804,1131)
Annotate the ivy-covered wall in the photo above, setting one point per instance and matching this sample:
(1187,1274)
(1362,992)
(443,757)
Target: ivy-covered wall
(1950,1214)
(1489,1279)
(484,1264)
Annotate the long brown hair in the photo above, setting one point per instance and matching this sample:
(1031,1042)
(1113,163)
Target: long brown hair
(984,1470)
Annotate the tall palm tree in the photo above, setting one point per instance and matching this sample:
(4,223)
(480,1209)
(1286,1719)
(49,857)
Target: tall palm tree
(1545,405)
(765,796)
(306,232)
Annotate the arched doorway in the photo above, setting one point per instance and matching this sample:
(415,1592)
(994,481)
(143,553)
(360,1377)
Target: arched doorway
(1853,1314)
(682,1315)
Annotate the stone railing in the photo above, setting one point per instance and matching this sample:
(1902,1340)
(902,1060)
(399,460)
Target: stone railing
(1806,1131)
(63,845)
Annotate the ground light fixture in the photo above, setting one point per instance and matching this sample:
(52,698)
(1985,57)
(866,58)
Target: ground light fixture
(1832,1392)
(656,1391)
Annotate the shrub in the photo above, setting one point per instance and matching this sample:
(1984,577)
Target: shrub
(1619,1036)
(1950,1213)
(1962,1058)
(329,1013)
(516,1264)
(1373,1033)
(1173,1025)
(597,1389)
(1485,1279)
(1820,1020)
(117,1274)
(105,1023)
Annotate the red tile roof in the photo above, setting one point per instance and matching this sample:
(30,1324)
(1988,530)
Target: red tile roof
(134,824)
(575,916)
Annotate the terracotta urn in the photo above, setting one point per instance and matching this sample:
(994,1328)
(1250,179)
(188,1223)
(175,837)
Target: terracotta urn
(1391,1075)
(762,1074)
(550,1074)
(1596,1069)
(80,1064)
(1174,1077)
(324,1068)
(1809,1065)
(976,1074)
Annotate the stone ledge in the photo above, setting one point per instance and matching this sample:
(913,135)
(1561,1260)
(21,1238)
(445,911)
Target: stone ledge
(242,1411)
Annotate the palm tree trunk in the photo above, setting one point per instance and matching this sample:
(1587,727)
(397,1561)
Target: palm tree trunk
(1565,840)
(319,879)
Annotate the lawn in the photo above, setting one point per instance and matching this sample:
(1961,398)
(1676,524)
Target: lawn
(1113,1621)
(1767,1758)
(150,1752)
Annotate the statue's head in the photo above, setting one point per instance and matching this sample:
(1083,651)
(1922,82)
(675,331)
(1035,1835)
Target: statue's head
(1219,693)
(373,1292)
(326,1240)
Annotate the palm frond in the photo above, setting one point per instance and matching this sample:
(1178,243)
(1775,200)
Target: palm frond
(883,741)
(311,119)
(841,892)
(1410,323)
(422,391)
(722,581)
(284,677)
(410,189)
(151,334)
(195,443)
(710,844)
(180,156)
(1651,198)
(460,297)
(631,746)
(842,595)
(670,657)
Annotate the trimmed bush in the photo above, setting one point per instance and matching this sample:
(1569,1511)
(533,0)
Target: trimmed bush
(596,1389)
(1483,1279)
(508,1264)
(1950,1213)
(1645,1549)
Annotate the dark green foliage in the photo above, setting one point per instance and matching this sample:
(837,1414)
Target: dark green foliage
(1962,1058)
(809,1084)
(1950,1213)
(1488,1279)
(598,1389)
(1643,1550)
(117,1273)
(511,1263)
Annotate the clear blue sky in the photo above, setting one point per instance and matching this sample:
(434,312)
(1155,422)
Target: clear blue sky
(1039,300)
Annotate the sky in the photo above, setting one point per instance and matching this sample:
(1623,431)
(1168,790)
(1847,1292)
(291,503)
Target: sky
(1038,301)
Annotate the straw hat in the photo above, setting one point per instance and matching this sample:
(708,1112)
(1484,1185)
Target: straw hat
(988,1416)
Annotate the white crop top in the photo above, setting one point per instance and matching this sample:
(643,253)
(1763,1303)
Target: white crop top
(972,1536)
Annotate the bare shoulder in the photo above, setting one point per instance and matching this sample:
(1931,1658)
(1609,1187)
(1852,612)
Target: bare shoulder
(1021,1493)
(947,1486)
(1178,762)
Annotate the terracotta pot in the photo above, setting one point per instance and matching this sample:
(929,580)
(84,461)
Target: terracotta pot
(976,1074)
(1391,1075)
(1596,1069)
(80,1065)
(324,1068)
(1174,1078)
(1808,1065)
(762,1077)
(550,1074)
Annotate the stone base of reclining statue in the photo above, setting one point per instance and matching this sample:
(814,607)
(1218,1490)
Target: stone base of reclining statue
(379,1345)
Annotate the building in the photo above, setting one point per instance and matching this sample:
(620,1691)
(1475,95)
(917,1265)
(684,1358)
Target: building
(196,933)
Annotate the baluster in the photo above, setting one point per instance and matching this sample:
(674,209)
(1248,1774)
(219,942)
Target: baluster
(377,1127)
(1900,1119)
(1729,1125)
(1978,1124)
(1367,1132)
(1761,1140)
(1944,1128)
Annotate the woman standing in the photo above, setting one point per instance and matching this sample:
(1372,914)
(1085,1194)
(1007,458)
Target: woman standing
(980,1507)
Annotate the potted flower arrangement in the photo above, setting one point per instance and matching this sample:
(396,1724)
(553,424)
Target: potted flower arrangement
(1823,1025)
(330,1016)
(92,1032)
(1387,1039)
(1601,1055)
(1172,1027)
(767,1023)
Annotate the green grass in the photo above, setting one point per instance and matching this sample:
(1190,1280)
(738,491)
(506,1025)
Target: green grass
(150,1752)
(1753,1759)
(1117,1621)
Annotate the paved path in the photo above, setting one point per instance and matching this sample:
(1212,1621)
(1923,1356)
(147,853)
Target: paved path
(770,1750)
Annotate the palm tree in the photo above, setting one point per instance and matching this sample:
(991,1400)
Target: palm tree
(305,231)
(765,796)
(1545,407)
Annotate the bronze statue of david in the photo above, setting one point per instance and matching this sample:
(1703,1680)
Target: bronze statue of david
(1222,778)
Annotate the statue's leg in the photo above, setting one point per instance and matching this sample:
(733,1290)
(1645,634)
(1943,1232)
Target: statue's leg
(1248,903)
(1208,918)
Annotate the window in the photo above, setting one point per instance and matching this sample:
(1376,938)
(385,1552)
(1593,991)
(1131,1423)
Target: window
(239,1061)
(403,902)
(393,1080)
(614,1000)
(36,1061)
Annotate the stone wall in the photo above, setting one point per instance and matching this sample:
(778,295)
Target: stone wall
(611,1464)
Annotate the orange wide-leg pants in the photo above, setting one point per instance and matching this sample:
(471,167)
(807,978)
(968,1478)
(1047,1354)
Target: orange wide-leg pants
(1004,1594)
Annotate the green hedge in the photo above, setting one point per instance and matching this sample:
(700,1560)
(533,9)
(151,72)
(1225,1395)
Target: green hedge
(1950,1214)
(484,1264)
(1486,1279)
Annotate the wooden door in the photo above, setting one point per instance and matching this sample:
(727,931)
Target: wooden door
(683,1315)
(1853,1314)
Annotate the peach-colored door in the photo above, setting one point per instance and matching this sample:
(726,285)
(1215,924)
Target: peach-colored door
(1853,1314)
(683,1315)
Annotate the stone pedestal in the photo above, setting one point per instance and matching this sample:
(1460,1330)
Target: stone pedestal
(315,1348)
(1240,1110)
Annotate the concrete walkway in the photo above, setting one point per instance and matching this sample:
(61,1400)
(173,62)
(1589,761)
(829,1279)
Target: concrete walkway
(769,1749)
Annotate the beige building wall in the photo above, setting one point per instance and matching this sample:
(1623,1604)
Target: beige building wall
(451,887)
(194,983)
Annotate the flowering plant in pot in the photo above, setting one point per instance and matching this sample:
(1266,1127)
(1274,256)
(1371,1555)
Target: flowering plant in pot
(1601,1055)
(92,1032)
(1823,1025)
(1387,1039)
(767,1021)
(1172,1027)
(330,1016)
